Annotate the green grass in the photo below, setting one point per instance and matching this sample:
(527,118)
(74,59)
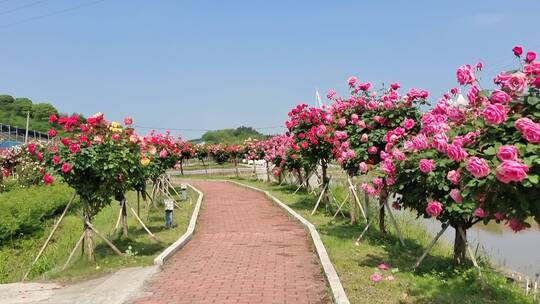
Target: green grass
(195,167)
(16,257)
(435,281)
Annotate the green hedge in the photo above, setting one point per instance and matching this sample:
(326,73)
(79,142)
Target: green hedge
(22,210)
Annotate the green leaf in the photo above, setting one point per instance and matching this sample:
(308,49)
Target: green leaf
(490,151)
(533,178)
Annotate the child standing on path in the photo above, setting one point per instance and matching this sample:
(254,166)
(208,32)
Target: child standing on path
(169,207)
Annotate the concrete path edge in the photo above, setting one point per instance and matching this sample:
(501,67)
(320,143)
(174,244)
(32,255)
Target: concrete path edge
(338,293)
(186,237)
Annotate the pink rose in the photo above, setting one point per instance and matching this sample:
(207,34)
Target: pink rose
(465,75)
(456,152)
(66,167)
(352,81)
(426,165)
(479,212)
(342,122)
(494,114)
(376,277)
(383,266)
(115,136)
(478,167)
(331,94)
(517,82)
(47,179)
(398,154)
(163,153)
(499,96)
(361,124)
(51,132)
(434,208)
(518,50)
(529,129)
(354,119)
(363,167)
(378,182)
(364,86)
(128,121)
(530,57)
(440,142)
(56,159)
(456,195)
(74,148)
(511,171)
(517,225)
(507,153)
(408,123)
(372,150)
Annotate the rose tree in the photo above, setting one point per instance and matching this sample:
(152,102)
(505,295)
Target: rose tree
(480,161)
(313,138)
(367,126)
(96,158)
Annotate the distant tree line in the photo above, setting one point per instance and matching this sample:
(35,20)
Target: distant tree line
(13,112)
(231,136)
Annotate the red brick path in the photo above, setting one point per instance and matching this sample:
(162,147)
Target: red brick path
(245,250)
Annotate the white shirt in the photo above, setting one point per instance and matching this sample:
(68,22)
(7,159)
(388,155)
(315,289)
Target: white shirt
(169,204)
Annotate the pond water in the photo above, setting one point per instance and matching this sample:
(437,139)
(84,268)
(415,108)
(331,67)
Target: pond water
(514,251)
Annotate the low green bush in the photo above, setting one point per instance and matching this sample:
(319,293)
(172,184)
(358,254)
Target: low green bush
(22,210)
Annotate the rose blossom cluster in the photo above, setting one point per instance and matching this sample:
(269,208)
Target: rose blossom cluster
(367,124)
(465,145)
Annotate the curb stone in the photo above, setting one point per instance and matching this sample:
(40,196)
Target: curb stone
(186,237)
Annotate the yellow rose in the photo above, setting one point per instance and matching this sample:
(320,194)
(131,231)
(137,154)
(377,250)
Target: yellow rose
(145,161)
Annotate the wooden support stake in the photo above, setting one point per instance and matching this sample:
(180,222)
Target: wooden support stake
(353,188)
(73,251)
(118,220)
(366,228)
(49,237)
(104,238)
(318,201)
(394,223)
(428,249)
(141,222)
(340,206)
(471,254)
(336,201)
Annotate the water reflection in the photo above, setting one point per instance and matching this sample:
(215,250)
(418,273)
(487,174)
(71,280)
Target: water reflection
(517,251)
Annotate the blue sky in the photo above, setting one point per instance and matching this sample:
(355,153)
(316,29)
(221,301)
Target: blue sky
(218,64)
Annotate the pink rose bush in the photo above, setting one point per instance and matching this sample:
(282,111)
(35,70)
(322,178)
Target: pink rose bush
(471,162)
(367,125)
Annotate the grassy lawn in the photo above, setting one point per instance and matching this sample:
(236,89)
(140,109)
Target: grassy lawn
(435,281)
(16,256)
(199,166)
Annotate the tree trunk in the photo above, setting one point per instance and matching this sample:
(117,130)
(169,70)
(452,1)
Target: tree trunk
(124,219)
(306,180)
(366,205)
(300,179)
(204,166)
(88,239)
(325,185)
(267,172)
(181,167)
(383,197)
(354,212)
(236,167)
(460,245)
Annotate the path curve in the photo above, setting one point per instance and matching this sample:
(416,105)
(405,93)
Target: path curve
(245,250)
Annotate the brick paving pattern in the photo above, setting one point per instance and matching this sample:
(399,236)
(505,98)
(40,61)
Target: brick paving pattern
(245,250)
